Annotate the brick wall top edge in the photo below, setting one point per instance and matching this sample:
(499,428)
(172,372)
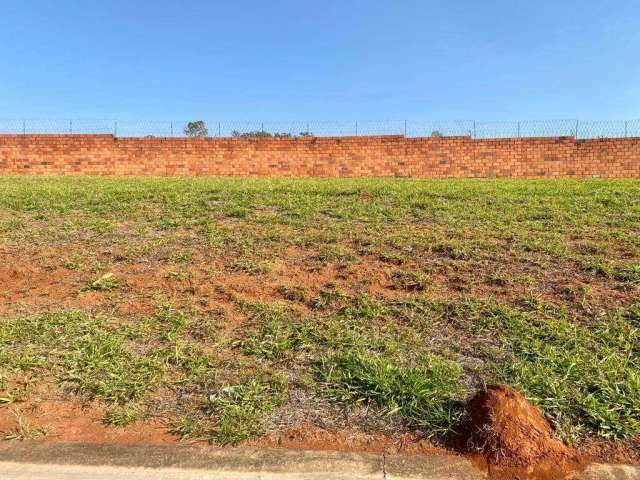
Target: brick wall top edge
(263,141)
(56,135)
(608,140)
(526,139)
(72,138)
(307,139)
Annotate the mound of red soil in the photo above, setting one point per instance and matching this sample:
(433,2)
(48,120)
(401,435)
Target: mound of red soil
(511,432)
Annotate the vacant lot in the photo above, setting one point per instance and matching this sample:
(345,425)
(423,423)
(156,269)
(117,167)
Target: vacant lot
(222,309)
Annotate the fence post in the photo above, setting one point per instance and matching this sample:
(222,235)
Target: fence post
(626,128)
(115,129)
(24,127)
(474,130)
(70,126)
(405,128)
(356,129)
(219,130)
(172,129)
(577,124)
(262,127)
(518,129)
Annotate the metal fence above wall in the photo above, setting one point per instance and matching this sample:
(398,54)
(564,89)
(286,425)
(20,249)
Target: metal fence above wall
(474,129)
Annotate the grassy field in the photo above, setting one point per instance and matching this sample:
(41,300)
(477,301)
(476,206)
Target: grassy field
(231,307)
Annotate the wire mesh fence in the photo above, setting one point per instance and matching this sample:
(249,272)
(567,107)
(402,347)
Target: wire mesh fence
(469,128)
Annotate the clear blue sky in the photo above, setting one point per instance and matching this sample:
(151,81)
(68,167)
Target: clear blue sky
(320,60)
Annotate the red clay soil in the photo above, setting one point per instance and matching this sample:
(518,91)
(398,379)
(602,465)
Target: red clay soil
(515,438)
(70,421)
(311,437)
(36,280)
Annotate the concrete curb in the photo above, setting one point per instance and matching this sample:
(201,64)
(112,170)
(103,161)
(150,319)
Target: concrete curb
(599,471)
(137,462)
(133,462)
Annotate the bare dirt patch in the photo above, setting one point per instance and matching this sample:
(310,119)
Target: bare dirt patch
(311,437)
(72,421)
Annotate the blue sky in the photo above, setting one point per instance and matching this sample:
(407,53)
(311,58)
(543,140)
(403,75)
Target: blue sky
(320,60)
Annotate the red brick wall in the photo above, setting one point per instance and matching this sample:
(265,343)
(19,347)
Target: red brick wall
(449,157)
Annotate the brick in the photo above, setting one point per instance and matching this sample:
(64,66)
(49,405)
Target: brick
(451,157)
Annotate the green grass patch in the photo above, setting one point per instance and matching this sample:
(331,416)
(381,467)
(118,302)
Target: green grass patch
(426,393)
(105,283)
(403,295)
(628,273)
(409,281)
(359,358)
(239,410)
(584,373)
(123,415)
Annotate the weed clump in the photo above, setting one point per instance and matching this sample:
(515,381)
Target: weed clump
(239,410)
(105,283)
(423,394)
